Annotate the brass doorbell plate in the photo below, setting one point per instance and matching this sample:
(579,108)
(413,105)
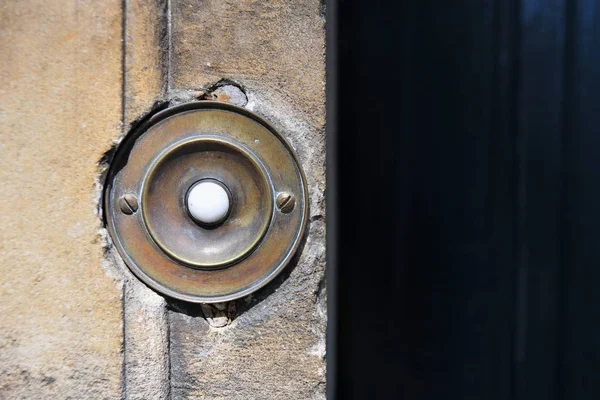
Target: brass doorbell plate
(259,202)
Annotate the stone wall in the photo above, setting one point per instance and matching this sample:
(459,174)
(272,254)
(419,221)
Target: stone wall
(74,322)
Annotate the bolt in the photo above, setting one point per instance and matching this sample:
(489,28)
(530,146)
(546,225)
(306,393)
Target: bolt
(286,202)
(128,203)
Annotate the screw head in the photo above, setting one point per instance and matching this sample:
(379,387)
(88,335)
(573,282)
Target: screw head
(286,202)
(128,203)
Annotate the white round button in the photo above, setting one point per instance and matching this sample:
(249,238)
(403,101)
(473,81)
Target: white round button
(208,202)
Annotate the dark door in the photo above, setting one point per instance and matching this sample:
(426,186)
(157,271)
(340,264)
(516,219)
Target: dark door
(466,259)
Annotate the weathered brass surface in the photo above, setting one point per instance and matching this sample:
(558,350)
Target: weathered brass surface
(166,216)
(162,244)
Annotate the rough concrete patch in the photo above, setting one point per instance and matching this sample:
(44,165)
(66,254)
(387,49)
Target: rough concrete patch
(231,94)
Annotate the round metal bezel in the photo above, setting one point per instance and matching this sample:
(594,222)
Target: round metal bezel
(155,268)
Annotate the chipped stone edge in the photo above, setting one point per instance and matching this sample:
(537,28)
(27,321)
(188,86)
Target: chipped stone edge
(145,348)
